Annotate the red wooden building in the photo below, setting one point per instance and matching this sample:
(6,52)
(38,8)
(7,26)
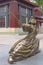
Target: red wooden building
(15,12)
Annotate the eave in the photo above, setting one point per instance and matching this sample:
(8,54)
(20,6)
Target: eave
(25,1)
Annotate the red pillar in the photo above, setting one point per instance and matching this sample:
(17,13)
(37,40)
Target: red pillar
(13,17)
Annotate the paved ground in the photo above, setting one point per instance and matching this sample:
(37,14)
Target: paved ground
(5,45)
(10,39)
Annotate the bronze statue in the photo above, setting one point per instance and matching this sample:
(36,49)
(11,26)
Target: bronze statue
(27,46)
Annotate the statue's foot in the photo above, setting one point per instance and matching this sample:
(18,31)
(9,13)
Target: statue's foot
(11,59)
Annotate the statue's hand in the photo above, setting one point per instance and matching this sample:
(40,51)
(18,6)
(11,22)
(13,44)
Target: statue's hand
(26,27)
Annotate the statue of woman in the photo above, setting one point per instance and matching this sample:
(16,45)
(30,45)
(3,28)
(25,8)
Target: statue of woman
(27,46)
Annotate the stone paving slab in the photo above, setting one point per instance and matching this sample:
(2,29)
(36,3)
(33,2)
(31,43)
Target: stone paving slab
(10,39)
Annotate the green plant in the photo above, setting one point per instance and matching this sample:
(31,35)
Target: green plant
(40,3)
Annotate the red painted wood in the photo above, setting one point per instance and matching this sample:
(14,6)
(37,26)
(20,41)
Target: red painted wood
(37,11)
(13,8)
